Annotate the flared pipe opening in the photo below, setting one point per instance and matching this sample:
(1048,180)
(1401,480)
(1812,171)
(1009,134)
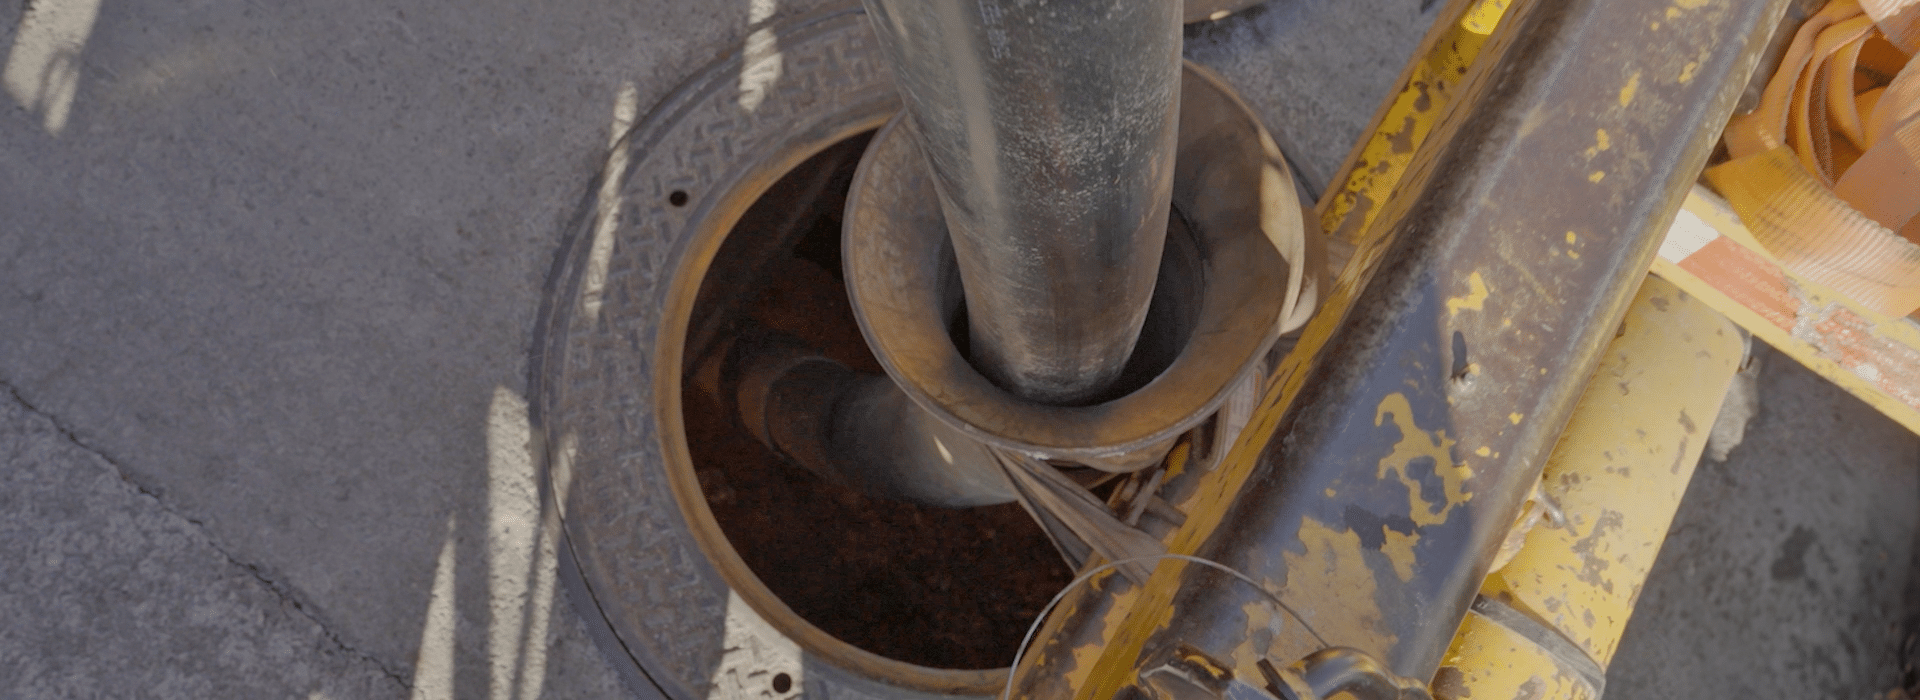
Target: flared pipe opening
(1049,129)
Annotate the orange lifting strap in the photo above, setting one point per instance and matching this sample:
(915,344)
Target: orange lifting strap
(1826,171)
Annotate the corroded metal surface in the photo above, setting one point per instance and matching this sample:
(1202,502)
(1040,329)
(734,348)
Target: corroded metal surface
(1049,131)
(853,429)
(1547,624)
(1406,430)
(1222,302)
(1429,85)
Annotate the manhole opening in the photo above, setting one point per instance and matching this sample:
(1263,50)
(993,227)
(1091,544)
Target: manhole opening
(943,588)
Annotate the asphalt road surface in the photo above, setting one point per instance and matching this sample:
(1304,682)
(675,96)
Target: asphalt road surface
(268,277)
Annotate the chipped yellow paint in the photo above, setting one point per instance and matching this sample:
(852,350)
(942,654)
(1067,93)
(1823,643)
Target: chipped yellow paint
(1673,13)
(1151,612)
(1399,551)
(1601,143)
(1571,238)
(1487,660)
(1414,444)
(1688,71)
(1476,295)
(1573,254)
(1596,176)
(1617,474)
(1347,212)
(1086,656)
(1655,26)
(1215,491)
(1632,87)
(1506,323)
(1329,493)
(1515,418)
(1266,622)
(1426,89)
(1343,603)
(1178,457)
(1484,451)
(1484,17)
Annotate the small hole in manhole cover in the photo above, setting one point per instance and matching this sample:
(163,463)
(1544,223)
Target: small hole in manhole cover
(678,198)
(782,683)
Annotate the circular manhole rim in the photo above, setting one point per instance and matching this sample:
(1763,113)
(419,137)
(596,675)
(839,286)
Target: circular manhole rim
(709,205)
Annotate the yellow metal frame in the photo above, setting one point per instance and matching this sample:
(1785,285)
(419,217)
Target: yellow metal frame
(1617,477)
(1427,86)
(1871,357)
(1550,618)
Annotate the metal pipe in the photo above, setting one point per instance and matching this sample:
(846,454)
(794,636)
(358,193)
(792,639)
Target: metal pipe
(1049,128)
(852,429)
(1547,624)
(1234,262)
(1337,672)
(1377,484)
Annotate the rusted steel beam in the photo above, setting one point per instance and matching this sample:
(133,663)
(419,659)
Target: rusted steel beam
(1416,415)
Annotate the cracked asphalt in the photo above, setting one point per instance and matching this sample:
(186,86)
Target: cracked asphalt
(97,566)
(268,275)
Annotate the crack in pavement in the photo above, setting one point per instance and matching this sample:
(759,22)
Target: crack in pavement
(281,591)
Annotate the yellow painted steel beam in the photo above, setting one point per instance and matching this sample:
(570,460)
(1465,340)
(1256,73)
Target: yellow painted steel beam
(1490,660)
(1548,622)
(1427,87)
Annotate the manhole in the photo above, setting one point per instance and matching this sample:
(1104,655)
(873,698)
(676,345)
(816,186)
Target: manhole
(714,570)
